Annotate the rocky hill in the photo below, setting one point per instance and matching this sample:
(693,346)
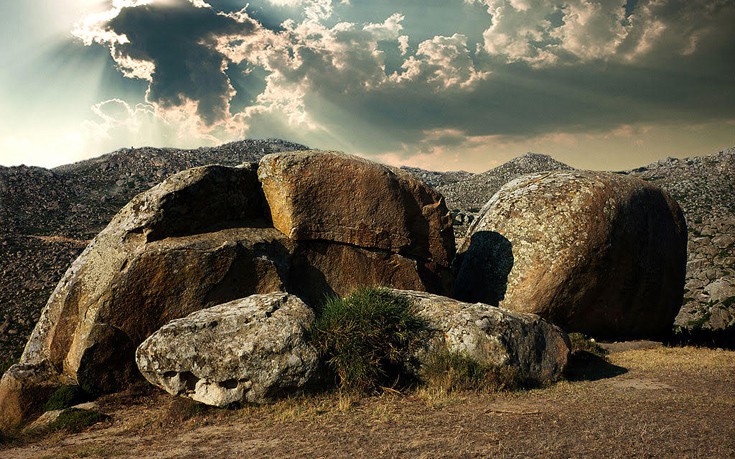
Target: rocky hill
(48,216)
(466,193)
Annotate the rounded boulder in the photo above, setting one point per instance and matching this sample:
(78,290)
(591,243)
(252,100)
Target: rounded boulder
(593,252)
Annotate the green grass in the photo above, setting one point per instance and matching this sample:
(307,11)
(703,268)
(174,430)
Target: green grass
(368,338)
(65,397)
(74,420)
(582,343)
(455,371)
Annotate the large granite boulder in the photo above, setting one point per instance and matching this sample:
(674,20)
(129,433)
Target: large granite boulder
(594,252)
(250,349)
(536,349)
(325,199)
(196,240)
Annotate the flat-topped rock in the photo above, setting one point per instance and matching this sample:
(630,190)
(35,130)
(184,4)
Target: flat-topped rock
(335,197)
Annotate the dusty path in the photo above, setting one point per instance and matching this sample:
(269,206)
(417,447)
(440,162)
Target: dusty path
(660,402)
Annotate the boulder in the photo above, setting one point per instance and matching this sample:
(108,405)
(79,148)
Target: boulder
(21,389)
(722,290)
(320,269)
(250,349)
(328,196)
(48,418)
(205,237)
(536,349)
(594,252)
(196,240)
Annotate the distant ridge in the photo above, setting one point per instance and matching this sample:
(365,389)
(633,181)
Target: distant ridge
(471,194)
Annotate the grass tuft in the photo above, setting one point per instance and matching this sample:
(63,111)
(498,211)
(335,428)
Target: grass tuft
(583,344)
(65,397)
(75,420)
(450,371)
(368,338)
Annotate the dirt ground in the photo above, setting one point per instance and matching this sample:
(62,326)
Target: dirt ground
(648,401)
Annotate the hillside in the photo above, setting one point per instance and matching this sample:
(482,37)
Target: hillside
(48,216)
(705,189)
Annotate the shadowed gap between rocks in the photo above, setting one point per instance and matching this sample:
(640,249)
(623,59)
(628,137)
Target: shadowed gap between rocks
(476,283)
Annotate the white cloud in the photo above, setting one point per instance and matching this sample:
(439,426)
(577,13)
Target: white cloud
(324,79)
(443,62)
(314,10)
(550,32)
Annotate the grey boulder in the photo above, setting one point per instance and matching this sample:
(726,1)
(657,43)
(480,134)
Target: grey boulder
(536,349)
(250,349)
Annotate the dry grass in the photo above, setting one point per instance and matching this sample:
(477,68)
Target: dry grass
(669,402)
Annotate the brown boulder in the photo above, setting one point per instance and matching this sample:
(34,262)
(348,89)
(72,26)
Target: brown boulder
(22,387)
(320,269)
(345,199)
(140,272)
(595,252)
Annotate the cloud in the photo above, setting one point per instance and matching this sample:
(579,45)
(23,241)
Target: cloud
(542,70)
(553,32)
(444,62)
(172,45)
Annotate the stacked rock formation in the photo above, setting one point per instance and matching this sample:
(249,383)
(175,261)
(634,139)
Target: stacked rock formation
(205,237)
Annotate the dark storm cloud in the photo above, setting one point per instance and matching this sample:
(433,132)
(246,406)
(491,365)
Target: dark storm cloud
(180,41)
(687,76)
(374,78)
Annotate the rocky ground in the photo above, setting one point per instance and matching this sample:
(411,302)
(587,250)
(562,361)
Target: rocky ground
(648,401)
(48,216)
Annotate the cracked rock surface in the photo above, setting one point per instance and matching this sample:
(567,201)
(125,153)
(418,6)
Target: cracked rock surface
(535,348)
(246,350)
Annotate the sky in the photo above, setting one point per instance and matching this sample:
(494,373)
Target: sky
(437,84)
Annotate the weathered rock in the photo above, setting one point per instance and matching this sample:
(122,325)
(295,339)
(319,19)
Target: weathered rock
(140,273)
(246,350)
(65,207)
(345,199)
(321,269)
(49,417)
(538,350)
(722,290)
(21,389)
(595,252)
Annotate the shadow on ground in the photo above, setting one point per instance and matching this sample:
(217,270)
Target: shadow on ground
(586,366)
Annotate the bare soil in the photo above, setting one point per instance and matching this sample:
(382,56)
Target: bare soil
(647,401)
